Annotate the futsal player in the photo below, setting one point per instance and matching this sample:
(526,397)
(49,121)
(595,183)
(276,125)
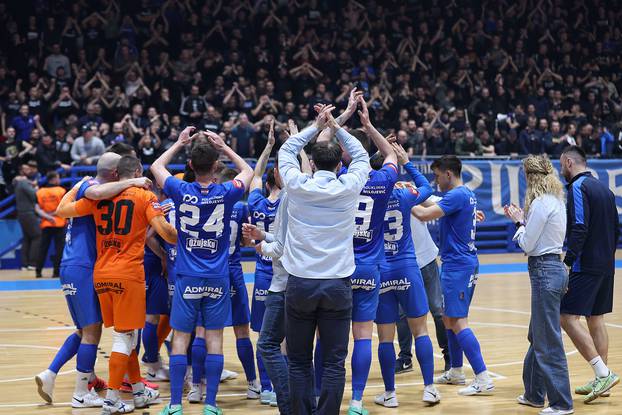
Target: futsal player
(402,285)
(202,282)
(121,225)
(76,277)
(457,214)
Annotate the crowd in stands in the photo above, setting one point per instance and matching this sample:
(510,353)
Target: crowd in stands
(459,77)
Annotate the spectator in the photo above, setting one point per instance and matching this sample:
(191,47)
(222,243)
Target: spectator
(47,155)
(243,137)
(87,148)
(57,60)
(91,118)
(23,123)
(193,106)
(530,141)
(28,213)
(469,145)
(52,227)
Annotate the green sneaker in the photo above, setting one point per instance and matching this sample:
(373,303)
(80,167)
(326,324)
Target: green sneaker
(585,389)
(212,410)
(352,410)
(602,385)
(172,410)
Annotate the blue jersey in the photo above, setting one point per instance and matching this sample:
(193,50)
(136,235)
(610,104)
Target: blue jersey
(80,241)
(262,212)
(398,243)
(239,215)
(457,228)
(369,217)
(171,249)
(203,227)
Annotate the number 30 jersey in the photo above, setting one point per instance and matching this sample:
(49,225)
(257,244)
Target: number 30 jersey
(369,217)
(203,228)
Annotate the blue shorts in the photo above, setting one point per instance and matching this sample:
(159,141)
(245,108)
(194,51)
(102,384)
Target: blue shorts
(200,300)
(588,295)
(365,292)
(260,292)
(156,286)
(401,285)
(458,288)
(240,311)
(77,285)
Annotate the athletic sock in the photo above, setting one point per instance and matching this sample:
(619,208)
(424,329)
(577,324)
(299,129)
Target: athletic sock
(199,351)
(386,357)
(318,366)
(425,357)
(263,375)
(600,368)
(117,367)
(214,364)
(164,328)
(471,348)
(245,354)
(150,341)
(85,362)
(177,370)
(361,362)
(112,395)
(455,350)
(66,352)
(133,368)
(82,383)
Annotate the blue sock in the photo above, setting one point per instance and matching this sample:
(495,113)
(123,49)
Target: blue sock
(361,362)
(177,371)
(318,367)
(66,352)
(386,357)
(471,348)
(263,375)
(85,360)
(245,354)
(214,364)
(455,350)
(199,351)
(150,341)
(425,357)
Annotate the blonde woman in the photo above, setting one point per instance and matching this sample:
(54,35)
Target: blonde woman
(541,236)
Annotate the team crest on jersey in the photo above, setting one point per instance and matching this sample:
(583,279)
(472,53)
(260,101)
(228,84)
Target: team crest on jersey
(156,205)
(401,284)
(238,184)
(196,243)
(363,234)
(69,289)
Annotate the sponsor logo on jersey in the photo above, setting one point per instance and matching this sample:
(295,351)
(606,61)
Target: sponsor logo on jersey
(260,295)
(401,284)
(196,243)
(194,292)
(69,289)
(109,286)
(367,284)
(172,253)
(391,247)
(112,243)
(367,235)
(472,280)
(190,199)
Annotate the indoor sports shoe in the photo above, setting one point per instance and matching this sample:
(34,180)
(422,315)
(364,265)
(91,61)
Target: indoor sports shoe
(431,395)
(524,401)
(126,387)
(116,407)
(602,385)
(145,397)
(356,410)
(587,389)
(387,399)
(172,410)
(149,384)
(254,390)
(274,403)
(158,375)
(266,397)
(553,411)
(89,400)
(478,386)
(228,375)
(45,384)
(196,394)
(451,377)
(403,366)
(212,410)
(98,384)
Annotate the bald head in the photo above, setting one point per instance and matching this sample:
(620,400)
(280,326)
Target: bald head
(107,167)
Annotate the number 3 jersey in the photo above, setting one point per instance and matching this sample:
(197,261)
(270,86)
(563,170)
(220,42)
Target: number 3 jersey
(369,217)
(262,212)
(121,229)
(203,228)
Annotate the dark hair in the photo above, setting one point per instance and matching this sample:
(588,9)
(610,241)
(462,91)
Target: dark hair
(575,152)
(363,138)
(326,155)
(189,175)
(448,163)
(228,174)
(270,178)
(376,161)
(51,175)
(128,165)
(203,157)
(121,149)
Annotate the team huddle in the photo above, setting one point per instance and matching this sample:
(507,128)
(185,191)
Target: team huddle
(136,256)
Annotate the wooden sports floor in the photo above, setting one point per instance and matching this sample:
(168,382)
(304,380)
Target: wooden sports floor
(34,323)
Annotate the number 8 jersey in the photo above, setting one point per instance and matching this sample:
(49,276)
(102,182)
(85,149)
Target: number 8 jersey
(202,231)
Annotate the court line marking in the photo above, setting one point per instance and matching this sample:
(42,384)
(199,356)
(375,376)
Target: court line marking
(31,346)
(53,328)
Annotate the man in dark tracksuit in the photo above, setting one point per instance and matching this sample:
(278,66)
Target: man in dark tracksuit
(592,236)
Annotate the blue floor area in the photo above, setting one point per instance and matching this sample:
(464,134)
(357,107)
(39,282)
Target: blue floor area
(54,284)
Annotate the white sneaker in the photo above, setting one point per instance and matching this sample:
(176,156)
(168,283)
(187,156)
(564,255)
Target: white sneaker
(228,375)
(451,377)
(116,407)
(157,375)
(146,397)
(266,397)
(478,386)
(387,399)
(45,384)
(196,394)
(274,403)
(524,401)
(254,390)
(431,395)
(89,400)
(553,411)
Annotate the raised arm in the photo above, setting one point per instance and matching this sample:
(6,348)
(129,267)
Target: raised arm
(380,142)
(158,168)
(246,172)
(164,229)
(424,190)
(260,167)
(353,100)
(359,166)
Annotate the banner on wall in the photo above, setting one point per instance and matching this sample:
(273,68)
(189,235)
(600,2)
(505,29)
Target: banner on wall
(498,183)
